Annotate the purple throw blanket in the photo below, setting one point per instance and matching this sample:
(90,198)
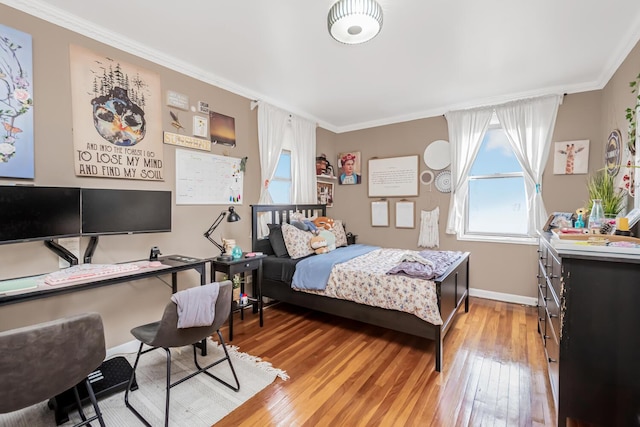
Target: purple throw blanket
(438,263)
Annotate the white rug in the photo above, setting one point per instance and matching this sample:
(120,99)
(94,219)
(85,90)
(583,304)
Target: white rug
(199,401)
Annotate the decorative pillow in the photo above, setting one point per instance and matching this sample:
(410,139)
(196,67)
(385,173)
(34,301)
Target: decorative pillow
(297,241)
(329,237)
(338,231)
(277,241)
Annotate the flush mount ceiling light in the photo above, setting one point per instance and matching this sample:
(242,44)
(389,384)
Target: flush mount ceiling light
(354,21)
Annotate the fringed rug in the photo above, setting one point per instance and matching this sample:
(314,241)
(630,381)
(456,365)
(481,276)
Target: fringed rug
(199,401)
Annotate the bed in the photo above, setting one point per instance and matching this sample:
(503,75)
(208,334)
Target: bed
(451,288)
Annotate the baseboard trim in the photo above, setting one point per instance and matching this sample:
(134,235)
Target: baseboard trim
(122,349)
(499,296)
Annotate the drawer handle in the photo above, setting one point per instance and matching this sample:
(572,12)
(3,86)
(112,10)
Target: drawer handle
(553,315)
(552,360)
(551,276)
(246,265)
(546,337)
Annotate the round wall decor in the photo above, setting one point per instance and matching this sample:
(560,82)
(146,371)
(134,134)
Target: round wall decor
(437,155)
(443,182)
(613,153)
(426,177)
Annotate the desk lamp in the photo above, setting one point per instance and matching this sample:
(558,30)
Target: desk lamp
(233,217)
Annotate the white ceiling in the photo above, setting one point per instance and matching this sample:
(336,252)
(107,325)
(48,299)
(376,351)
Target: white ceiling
(430,57)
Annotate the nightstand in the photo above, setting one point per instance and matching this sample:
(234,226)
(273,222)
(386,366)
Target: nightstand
(243,266)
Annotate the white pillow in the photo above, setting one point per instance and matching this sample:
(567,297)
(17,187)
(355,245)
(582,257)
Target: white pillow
(296,241)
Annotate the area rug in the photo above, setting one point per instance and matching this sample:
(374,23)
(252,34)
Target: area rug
(199,401)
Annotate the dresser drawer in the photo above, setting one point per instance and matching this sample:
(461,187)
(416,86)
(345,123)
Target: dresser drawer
(552,349)
(555,272)
(542,313)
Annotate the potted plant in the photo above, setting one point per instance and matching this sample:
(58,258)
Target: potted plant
(237,281)
(601,186)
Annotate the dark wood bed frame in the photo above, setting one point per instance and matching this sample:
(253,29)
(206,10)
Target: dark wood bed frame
(452,288)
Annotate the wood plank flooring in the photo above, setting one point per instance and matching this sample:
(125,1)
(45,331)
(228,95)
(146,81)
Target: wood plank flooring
(346,373)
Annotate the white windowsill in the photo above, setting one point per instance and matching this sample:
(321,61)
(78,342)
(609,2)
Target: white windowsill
(499,239)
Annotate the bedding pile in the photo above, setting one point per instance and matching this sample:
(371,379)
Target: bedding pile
(425,264)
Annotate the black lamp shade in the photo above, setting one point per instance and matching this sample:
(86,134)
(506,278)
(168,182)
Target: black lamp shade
(233,216)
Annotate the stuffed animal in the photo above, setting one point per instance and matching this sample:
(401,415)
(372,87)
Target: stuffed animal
(319,244)
(324,222)
(329,237)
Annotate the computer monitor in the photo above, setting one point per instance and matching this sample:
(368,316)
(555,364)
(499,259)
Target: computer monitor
(108,211)
(38,213)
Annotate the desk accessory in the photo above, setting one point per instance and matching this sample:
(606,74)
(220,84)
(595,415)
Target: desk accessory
(153,255)
(233,217)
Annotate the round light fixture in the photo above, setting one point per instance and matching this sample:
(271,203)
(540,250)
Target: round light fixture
(354,21)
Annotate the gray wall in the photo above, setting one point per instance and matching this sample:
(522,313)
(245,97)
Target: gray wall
(501,268)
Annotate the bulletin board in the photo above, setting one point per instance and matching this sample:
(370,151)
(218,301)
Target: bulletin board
(208,179)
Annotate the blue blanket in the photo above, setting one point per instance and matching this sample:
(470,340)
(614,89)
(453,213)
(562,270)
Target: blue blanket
(313,272)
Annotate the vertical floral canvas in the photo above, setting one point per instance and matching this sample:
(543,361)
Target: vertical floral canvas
(117,127)
(16,104)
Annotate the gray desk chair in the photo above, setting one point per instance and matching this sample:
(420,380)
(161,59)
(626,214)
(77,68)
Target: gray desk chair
(40,361)
(166,334)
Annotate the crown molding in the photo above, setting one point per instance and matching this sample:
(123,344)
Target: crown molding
(56,16)
(88,29)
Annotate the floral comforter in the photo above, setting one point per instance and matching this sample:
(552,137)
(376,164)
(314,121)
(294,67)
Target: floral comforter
(364,280)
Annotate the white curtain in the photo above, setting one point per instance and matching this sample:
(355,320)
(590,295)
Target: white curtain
(271,125)
(529,126)
(303,161)
(466,130)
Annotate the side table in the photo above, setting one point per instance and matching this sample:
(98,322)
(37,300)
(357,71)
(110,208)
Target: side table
(243,265)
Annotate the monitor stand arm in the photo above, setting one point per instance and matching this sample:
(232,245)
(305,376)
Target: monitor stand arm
(62,252)
(91,248)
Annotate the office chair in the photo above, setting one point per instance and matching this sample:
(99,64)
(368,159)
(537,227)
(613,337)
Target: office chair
(40,361)
(166,334)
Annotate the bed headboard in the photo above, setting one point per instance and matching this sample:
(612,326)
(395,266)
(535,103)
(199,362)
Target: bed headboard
(278,214)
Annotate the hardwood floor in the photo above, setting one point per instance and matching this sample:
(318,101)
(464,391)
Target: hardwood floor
(346,373)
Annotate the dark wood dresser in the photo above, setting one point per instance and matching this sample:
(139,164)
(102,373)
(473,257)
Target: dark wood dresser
(589,322)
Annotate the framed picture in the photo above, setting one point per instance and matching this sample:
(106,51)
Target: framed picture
(325,193)
(222,129)
(380,213)
(405,214)
(349,168)
(393,177)
(558,220)
(200,126)
(571,157)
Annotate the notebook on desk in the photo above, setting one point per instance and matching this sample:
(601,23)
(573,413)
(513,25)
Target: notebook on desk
(20,284)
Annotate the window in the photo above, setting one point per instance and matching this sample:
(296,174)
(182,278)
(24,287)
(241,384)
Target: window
(496,203)
(280,185)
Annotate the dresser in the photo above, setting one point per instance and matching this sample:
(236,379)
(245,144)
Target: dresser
(589,322)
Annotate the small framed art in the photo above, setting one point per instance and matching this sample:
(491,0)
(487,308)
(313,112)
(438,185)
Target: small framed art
(405,214)
(325,193)
(380,213)
(201,126)
(571,157)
